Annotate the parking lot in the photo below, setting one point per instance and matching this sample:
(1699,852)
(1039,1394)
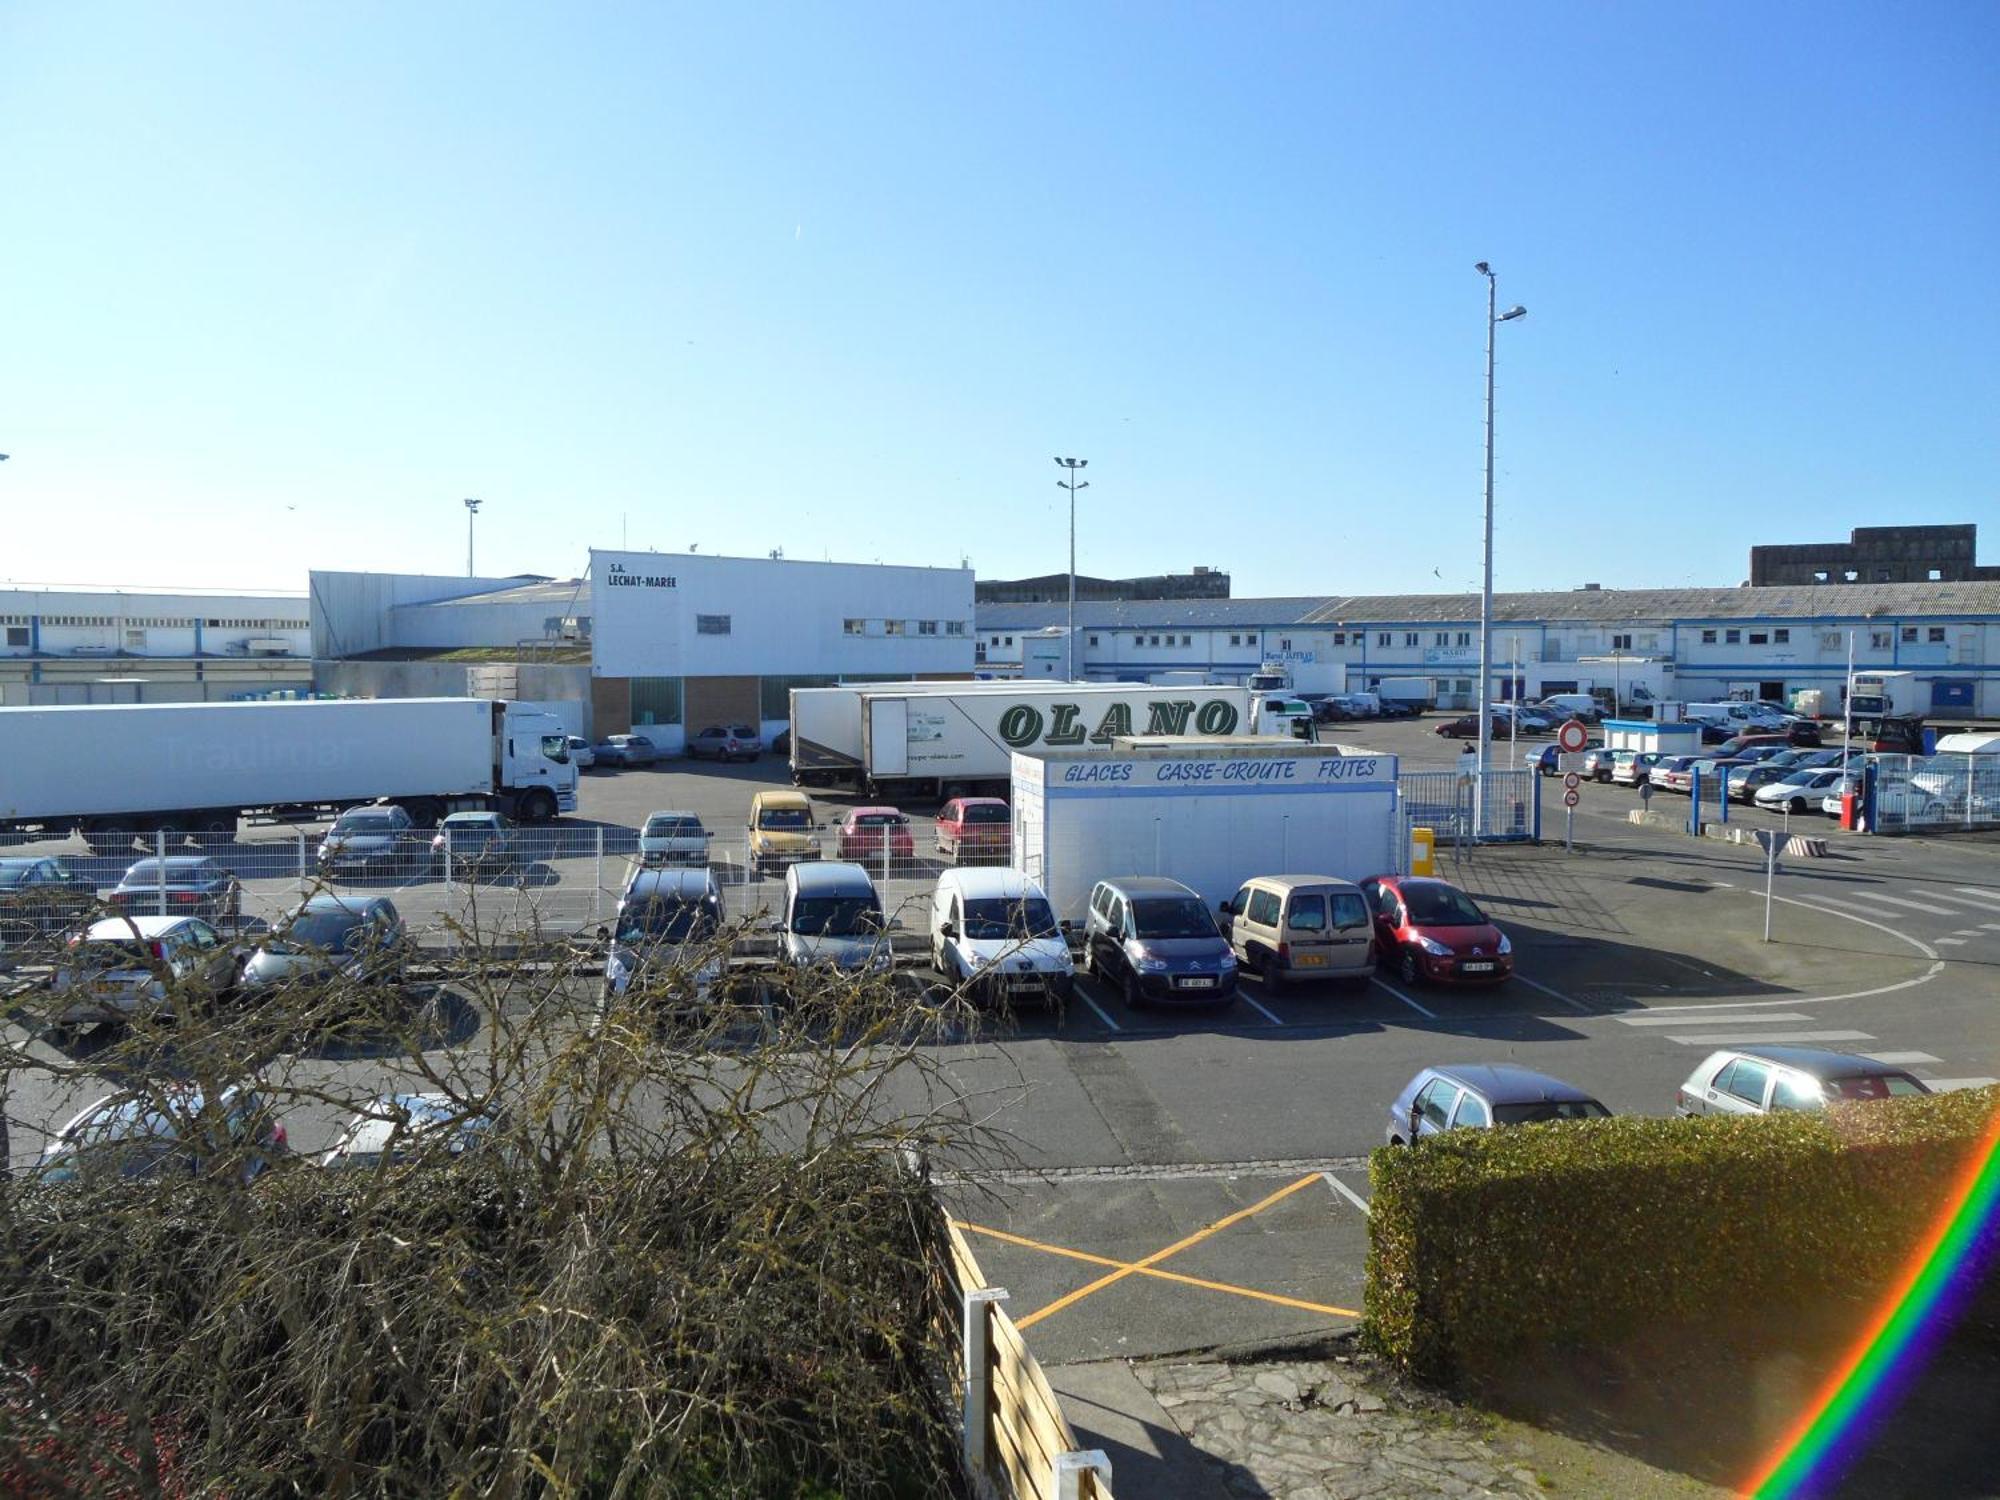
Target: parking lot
(1180,1178)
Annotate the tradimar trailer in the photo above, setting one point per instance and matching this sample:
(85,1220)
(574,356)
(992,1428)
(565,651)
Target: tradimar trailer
(108,771)
(950,744)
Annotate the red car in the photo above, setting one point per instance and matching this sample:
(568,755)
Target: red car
(974,828)
(868,829)
(1430,929)
(1467,728)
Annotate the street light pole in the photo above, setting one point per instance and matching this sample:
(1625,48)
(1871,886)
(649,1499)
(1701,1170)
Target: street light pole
(1072,484)
(471,510)
(1494,318)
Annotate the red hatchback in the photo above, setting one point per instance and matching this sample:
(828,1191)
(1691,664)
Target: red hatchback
(974,828)
(1430,929)
(869,829)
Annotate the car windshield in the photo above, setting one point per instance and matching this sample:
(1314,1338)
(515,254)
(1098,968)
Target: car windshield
(325,931)
(784,817)
(836,916)
(1875,1086)
(114,953)
(370,822)
(1549,1109)
(147,872)
(985,813)
(555,747)
(1010,917)
(1172,917)
(671,828)
(13,875)
(1441,906)
(664,920)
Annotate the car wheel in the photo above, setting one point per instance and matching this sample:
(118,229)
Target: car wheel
(1407,968)
(1271,975)
(1796,806)
(1135,999)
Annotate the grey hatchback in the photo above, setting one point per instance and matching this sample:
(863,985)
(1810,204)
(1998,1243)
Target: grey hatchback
(1479,1096)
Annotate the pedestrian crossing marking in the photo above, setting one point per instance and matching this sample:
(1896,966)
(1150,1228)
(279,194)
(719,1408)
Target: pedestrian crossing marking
(1761,1018)
(1767,1038)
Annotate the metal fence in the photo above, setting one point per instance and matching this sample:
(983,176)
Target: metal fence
(1916,793)
(1449,803)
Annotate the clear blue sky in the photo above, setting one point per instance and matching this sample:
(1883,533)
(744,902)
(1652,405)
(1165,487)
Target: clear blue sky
(280,284)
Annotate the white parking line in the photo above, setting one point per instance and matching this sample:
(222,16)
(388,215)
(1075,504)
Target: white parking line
(1923,906)
(1251,1001)
(1767,1038)
(1949,942)
(1758,1019)
(1101,1015)
(1404,998)
(1576,1005)
(1979,893)
(1989,926)
(1346,1192)
(1974,903)
(1901,1059)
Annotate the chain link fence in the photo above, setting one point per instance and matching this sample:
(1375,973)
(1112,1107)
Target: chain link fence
(1449,803)
(1915,793)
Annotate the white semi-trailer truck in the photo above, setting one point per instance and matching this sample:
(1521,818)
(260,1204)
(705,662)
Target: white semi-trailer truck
(885,741)
(109,771)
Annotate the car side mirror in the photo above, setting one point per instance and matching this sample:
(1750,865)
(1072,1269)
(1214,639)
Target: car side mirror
(604,934)
(1226,909)
(948,929)
(776,924)
(1066,925)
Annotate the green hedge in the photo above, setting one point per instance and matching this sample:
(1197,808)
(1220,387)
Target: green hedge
(1486,1243)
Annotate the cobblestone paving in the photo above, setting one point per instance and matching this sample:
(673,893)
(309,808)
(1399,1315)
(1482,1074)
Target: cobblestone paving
(1312,1430)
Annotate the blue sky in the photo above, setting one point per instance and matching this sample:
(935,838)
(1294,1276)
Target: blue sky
(280,284)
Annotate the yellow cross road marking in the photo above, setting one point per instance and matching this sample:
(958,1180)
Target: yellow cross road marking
(1105,1260)
(1157,1256)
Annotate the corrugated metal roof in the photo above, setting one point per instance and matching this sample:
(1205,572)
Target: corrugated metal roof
(572,594)
(1795,602)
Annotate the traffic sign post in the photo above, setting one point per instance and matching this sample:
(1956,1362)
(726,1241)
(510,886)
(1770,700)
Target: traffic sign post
(1573,736)
(1570,798)
(1572,781)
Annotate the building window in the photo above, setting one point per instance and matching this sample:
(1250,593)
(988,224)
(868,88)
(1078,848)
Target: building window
(854,627)
(1708,637)
(1852,575)
(1156,640)
(1462,685)
(1732,637)
(1935,575)
(1624,642)
(1909,635)
(1409,638)
(1187,640)
(995,641)
(711,624)
(927,627)
(1382,638)
(1442,638)
(656,700)
(1284,643)
(1138,640)
(17,635)
(1782,635)
(1935,635)
(1010,640)
(954,627)
(1821,575)
(895,627)
(1878,640)
(135,640)
(1760,638)
(1339,639)
(1092,639)
(1465,638)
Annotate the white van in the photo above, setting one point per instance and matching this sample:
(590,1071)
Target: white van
(832,917)
(993,930)
(1737,718)
(1572,706)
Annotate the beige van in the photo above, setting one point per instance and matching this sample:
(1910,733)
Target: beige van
(781,830)
(1285,927)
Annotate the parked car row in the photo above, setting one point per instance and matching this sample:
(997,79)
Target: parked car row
(1745,1080)
(717,742)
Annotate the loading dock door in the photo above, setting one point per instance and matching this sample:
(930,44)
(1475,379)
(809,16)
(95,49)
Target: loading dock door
(888,737)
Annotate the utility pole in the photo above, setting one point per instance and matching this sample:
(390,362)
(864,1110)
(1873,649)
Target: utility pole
(471,510)
(1494,318)
(1072,484)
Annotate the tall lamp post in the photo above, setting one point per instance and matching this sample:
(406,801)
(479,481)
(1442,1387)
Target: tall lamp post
(471,510)
(1072,484)
(1494,318)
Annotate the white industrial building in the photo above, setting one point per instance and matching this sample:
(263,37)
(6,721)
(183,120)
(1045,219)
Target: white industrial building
(667,642)
(1712,642)
(117,645)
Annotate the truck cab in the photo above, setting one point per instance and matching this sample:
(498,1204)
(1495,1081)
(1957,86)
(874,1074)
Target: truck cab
(1290,718)
(536,773)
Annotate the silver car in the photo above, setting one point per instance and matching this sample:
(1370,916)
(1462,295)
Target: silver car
(673,838)
(123,966)
(410,1127)
(1756,1080)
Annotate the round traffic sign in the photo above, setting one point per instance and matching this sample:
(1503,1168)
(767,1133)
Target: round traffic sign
(1572,736)
(1570,798)
(1572,781)
(1645,791)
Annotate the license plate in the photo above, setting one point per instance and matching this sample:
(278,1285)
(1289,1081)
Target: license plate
(1024,984)
(1476,968)
(1193,982)
(1309,961)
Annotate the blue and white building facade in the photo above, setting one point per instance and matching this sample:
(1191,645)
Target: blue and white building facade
(113,645)
(1708,643)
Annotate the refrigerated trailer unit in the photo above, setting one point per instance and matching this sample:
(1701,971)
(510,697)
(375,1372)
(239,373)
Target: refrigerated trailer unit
(197,767)
(1209,815)
(891,742)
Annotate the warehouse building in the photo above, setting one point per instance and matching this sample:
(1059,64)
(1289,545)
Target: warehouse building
(125,646)
(1767,642)
(1876,554)
(664,642)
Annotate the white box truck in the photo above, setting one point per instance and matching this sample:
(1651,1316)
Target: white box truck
(1414,692)
(890,742)
(110,770)
(1208,814)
